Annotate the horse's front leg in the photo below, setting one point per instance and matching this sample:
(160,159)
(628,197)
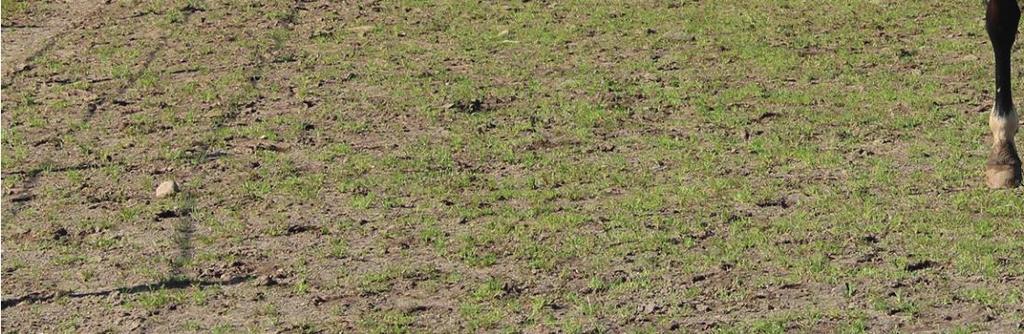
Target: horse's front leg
(1003,169)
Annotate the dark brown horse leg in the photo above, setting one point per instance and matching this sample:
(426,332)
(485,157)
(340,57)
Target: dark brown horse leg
(1003,169)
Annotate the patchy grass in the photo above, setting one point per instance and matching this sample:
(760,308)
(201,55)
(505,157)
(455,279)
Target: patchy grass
(576,166)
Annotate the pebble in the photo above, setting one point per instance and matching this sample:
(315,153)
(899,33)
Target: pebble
(166,188)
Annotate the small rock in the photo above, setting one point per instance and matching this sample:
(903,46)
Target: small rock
(166,188)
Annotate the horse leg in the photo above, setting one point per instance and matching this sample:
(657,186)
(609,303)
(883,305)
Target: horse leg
(1003,169)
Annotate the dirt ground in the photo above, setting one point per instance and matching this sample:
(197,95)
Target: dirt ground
(502,166)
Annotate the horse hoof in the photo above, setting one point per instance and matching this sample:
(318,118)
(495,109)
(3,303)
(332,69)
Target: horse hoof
(1003,176)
